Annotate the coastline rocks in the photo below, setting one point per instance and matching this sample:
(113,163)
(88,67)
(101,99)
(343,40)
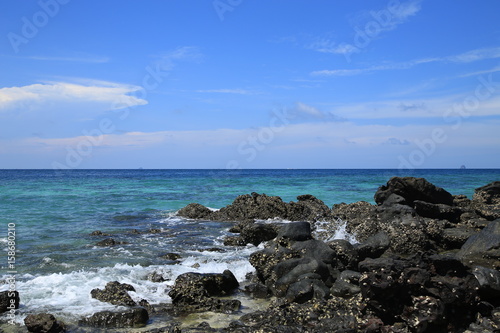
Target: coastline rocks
(134,317)
(195,292)
(256,206)
(43,323)
(7,299)
(412,189)
(109,242)
(114,293)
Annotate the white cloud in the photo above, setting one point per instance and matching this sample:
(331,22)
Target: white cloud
(42,96)
(466,57)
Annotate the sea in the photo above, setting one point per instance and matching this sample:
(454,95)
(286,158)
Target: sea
(48,216)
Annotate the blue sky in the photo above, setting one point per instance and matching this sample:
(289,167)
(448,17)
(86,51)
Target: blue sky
(249,84)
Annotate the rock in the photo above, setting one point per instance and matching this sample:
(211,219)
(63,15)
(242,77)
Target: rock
(455,238)
(412,189)
(489,282)
(257,290)
(253,206)
(488,194)
(43,323)
(437,211)
(374,246)
(347,285)
(234,241)
(193,292)
(156,277)
(99,233)
(425,314)
(9,300)
(135,317)
(486,201)
(483,248)
(296,231)
(307,208)
(170,256)
(195,211)
(345,254)
(257,233)
(307,289)
(109,242)
(115,293)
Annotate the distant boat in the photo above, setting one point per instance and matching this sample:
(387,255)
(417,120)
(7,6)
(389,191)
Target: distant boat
(463,167)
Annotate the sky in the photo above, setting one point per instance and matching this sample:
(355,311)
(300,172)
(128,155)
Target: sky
(232,84)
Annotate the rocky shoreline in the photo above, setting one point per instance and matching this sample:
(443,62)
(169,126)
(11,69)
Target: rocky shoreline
(425,261)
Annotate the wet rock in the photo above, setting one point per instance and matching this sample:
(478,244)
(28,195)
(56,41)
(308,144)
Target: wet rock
(98,233)
(9,300)
(234,241)
(374,246)
(134,317)
(257,290)
(296,231)
(257,233)
(109,242)
(483,248)
(194,292)
(412,189)
(156,277)
(171,256)
(425,314)
(306,289)
(43,323)
(114,293)
(195,211)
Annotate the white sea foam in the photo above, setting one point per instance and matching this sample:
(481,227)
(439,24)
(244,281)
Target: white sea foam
(340,232)
(68,295)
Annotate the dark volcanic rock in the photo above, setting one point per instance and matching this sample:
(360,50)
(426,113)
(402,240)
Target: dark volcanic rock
(297,231)
(194,292)
(489,281)
(437,211)
(412,189)
(256,206)
(134,317)
(374,246)
(109,242)
(195,211)
(257,233)
(345,254)
(483,248)
(9,300)
(486,201)
(114,293)
(43,323)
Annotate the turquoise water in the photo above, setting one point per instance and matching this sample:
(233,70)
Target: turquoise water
(58,263)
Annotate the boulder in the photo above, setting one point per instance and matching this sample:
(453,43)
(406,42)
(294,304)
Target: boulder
(257,233)
(195,211)
(194,292)
(483,248)
(252,206)
(489,282)
(296,231)
(134,317)
(412,189)
(437,211)
(109,242)
(346,255)
(307,208)
(486,201)
(374,246)
(114,293)
(43,323)
(9,300)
